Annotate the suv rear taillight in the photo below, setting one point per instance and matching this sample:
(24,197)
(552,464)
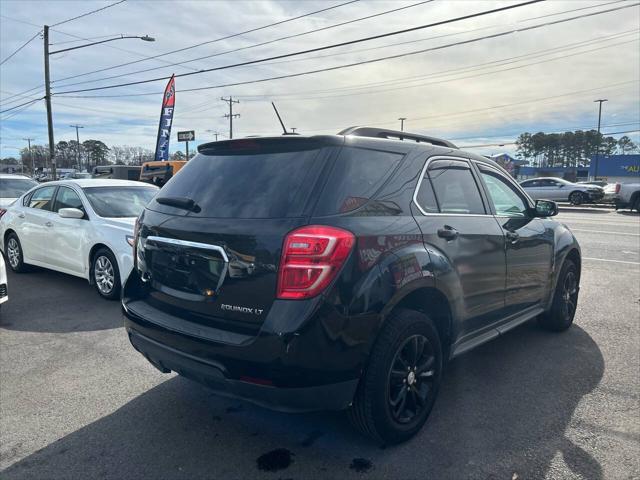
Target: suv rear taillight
(311,258)
(617,188)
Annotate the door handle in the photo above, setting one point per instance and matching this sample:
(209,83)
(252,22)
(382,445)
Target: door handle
(448,233)
(49,224)
(513,237)
(21,215)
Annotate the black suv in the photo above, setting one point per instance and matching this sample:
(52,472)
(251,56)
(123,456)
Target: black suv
(341,272)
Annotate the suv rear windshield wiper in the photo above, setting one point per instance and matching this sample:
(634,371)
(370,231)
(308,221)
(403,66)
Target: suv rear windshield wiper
(179,202)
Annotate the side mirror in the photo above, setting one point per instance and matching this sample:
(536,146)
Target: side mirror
(562,185)
(71,213)
(546,208)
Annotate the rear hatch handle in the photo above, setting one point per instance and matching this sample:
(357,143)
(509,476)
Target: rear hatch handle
(198,245)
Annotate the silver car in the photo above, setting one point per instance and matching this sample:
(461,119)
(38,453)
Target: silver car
(561,190)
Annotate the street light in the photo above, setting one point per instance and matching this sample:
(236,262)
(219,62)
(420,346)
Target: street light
(145,38)
(600,102)
(47,83)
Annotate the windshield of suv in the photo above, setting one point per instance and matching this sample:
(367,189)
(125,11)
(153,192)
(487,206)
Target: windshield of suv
(14,187)
(119,202)
(271,184)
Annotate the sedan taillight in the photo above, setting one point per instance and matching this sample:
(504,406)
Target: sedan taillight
(617,188)
(311,258)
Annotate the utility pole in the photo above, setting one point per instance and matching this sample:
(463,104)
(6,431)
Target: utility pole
(47,99)
(214,132)
(230,115)
(33,168)
(78,141)
(600,102)
(402,119)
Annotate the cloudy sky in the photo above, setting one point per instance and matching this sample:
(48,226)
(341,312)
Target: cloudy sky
(535,72)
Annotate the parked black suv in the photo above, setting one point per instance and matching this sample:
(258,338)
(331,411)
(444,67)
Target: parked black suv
(341,272)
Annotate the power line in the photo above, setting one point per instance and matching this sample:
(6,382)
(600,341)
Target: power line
(88,13)
(404,80)
(261,44)
(21,105)
(21,47)
(338,67)
(317,49)
(210,41)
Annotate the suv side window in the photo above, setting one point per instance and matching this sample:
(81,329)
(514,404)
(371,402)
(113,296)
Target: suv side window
(355,178)
(42,198)
(455,188)
(67,198)
(506,199)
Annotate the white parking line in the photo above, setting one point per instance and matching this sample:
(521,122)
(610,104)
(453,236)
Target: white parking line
(602,231)
(609,260)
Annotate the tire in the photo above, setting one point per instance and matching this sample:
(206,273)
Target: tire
(380,389)
(565,300)
(105,274)
(15,256)
(577,198)
(635,204)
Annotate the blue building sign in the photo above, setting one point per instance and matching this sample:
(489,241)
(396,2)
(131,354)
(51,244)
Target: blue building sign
(616,166)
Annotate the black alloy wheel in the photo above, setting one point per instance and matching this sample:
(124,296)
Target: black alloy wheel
(569,295)
(411,379)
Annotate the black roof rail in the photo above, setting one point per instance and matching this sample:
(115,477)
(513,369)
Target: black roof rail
(395,135)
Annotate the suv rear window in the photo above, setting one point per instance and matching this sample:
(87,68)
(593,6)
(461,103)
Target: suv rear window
(259,183)
(356,176)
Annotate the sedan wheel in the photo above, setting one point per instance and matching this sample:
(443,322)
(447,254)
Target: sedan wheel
(15,257)
(577,198)
(104,275)
(13,252)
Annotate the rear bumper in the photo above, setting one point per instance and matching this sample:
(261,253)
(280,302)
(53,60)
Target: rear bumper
(306,356)
(335,396)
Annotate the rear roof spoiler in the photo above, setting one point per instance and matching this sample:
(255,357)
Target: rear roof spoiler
(395,135)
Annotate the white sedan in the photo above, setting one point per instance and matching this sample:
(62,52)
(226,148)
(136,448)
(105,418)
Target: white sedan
(80,227)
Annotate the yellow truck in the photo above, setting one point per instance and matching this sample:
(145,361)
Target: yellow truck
(159,173)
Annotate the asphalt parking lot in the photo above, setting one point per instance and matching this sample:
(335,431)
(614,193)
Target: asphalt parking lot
(76,401)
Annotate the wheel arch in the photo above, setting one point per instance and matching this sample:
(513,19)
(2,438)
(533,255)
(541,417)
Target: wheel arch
(432,302)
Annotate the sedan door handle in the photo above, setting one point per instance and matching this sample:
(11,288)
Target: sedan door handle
(513,237)
(21,215)
(49,224)
(448,233)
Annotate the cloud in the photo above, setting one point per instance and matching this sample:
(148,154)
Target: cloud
(470,99)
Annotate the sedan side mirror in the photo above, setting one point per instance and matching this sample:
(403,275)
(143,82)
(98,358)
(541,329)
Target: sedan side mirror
(546,208)
(71,213)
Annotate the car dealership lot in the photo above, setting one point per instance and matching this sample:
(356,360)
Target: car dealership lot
(76,401)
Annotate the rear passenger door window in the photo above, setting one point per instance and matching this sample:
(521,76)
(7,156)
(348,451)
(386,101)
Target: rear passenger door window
(455,188)
(42,199)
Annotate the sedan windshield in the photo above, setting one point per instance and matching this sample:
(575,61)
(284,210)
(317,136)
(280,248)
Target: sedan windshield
(14,187)
(119,201)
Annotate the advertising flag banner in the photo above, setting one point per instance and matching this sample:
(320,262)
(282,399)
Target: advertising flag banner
(166,118)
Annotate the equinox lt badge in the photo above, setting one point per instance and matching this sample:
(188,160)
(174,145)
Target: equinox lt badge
(236,308)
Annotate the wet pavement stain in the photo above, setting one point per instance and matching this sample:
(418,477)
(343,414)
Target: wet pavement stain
(275,460)
(311,438)
(361,465)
